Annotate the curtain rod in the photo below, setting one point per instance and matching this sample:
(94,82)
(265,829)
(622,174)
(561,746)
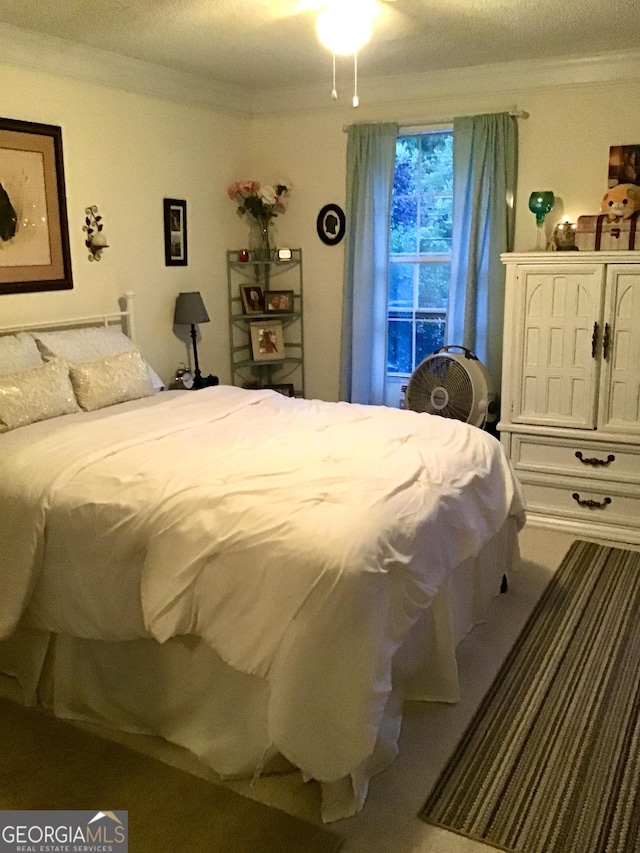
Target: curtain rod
(442,120)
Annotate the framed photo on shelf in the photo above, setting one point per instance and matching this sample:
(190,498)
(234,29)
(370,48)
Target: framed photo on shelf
(175,232)
(267,341)
(285,388)
(278,302)
(34,230)
(252,298)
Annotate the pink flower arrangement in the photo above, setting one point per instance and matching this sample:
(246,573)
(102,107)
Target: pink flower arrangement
(260,201)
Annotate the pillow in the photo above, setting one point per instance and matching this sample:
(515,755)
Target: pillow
(36,395)
(18,352)
(110,380)
(89,344)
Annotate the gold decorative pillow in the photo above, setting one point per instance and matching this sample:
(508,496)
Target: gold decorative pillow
(36,395)
(110,380)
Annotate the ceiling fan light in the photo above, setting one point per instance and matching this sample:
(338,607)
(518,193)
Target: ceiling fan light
(344,26)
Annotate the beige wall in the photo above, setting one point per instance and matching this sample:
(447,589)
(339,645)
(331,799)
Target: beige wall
(126,152)
(564,147)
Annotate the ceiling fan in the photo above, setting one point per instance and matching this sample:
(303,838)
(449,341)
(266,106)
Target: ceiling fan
(345,26)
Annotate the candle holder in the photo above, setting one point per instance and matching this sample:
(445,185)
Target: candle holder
(541,203)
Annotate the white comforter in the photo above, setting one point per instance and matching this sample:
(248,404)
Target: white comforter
(300,539)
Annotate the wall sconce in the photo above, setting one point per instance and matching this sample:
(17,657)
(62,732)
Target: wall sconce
(96,240)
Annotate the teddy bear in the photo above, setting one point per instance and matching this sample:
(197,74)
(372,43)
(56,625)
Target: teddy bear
(620,202)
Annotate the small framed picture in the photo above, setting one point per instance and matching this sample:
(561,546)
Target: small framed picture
(286,389)
(278,301)
(267,341)
(331,224)
(175,232)
(252,298)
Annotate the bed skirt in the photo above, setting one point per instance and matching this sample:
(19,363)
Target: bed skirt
(183,692)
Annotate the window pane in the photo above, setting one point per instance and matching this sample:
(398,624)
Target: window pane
(433,286)
(436,224)
(421,227)
(399,346)
(429,337)
(405,178)
(404,225)
(436,159)
(400,286)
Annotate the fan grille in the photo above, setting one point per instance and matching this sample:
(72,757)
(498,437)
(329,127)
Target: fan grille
(441,386)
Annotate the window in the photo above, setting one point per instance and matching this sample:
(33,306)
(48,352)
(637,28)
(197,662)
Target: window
(420,260)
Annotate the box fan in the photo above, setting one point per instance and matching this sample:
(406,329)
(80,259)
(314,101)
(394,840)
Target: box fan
(453,385)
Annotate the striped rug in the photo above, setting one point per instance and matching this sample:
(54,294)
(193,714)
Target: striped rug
(550,762)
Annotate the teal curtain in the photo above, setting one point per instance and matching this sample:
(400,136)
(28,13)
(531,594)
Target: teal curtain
(371,154)
(485,152)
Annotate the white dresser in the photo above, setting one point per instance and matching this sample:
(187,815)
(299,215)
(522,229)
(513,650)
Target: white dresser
(570,409)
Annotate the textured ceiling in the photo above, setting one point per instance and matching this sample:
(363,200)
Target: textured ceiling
(263,44)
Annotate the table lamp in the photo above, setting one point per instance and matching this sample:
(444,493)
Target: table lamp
(189,311)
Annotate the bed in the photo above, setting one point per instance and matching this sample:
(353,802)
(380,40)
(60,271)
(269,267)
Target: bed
(254,577)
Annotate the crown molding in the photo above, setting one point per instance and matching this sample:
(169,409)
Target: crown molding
(494,79)
(68,59)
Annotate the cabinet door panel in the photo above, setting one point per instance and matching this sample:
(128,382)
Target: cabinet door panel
(556,375)
(620,402)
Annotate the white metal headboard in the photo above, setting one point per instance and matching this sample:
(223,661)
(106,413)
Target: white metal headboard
(125,319)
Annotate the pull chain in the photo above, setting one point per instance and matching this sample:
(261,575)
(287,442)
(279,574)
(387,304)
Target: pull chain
(356,99)
(334,91)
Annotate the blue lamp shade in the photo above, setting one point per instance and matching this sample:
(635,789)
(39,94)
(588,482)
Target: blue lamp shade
(190,309)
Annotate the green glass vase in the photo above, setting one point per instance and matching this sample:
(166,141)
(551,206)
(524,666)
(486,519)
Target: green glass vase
(541,203)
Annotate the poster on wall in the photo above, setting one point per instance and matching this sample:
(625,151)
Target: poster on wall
(624,165)
(34,231)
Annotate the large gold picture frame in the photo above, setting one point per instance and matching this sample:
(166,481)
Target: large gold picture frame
(34,231)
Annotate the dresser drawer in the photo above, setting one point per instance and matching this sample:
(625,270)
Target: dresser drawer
(586,500)
(595,460)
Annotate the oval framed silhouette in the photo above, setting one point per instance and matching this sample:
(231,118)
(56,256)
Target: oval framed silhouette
(331,224)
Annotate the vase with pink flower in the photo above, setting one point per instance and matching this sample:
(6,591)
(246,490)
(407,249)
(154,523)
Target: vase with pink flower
(261,204)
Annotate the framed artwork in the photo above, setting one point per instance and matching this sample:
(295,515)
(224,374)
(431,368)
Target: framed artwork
(252,296)
(624,165)
(285,388)
(34,230)
(267,341)
(175,232)
(278,301)
(331,224)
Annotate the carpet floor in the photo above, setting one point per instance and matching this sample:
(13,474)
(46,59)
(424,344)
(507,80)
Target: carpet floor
(46,763)
(550,762)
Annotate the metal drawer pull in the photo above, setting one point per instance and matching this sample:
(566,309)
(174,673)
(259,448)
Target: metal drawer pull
(594,340)
(591,504)
(605,341)
(594,461)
